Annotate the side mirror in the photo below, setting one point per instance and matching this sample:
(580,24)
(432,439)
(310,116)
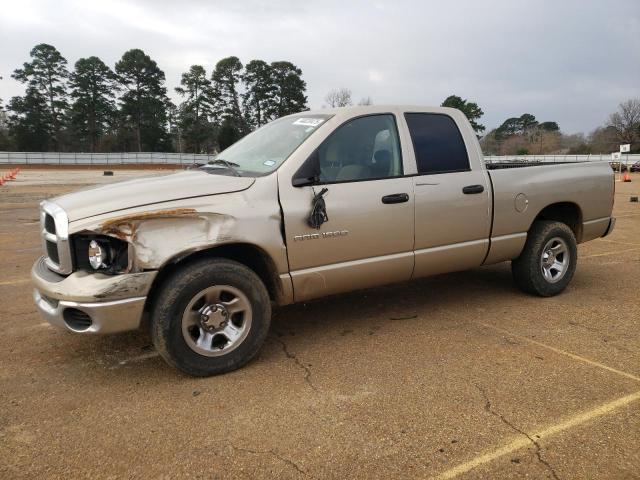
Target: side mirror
(304,181)
(308,173)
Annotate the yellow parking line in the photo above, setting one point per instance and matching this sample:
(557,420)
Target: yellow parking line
(563,352)
(540,435)
(15,282)
(610,253)
(144,356)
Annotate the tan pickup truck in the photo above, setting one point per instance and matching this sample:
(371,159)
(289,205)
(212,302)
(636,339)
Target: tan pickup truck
(312,204)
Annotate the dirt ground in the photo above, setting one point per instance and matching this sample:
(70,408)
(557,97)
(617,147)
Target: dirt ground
(455,376)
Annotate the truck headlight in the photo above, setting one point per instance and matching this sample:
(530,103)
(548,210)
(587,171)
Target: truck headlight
(102,253)
(98,257)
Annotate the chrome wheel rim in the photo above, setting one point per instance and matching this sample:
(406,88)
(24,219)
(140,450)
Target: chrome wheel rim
(554,260)
(216,320)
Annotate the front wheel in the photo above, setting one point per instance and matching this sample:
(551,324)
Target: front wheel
(210,317)
(548,261)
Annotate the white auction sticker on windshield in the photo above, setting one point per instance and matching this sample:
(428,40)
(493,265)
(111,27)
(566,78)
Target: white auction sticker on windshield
(309,122)
(269,163)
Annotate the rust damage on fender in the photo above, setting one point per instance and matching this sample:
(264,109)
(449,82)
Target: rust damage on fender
(145,215)
(147,233)
(124,227)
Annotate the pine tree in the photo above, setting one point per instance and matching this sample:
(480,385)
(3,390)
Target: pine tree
(143,106)
(259,92)
(46,79)
(93,111)
(227,115)
(290,89)
(226,107)
(173,115)
(30,122)
(196,110)
(472,111)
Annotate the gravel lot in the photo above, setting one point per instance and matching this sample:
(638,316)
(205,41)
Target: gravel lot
(454,376)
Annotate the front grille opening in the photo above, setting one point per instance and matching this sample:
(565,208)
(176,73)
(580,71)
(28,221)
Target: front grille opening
(49,224)
(76,319)
(52,252)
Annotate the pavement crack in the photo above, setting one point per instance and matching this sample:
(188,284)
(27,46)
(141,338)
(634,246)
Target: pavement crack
(294,357)
(274,454)
(536,444)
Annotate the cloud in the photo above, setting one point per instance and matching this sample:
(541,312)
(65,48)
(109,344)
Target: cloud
(570,61)
(375,76)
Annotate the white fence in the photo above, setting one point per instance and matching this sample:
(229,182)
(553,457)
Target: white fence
(129,158)
(144,158)
(606,157)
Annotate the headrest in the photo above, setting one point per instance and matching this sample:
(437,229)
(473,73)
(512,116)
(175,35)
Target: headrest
(382,156)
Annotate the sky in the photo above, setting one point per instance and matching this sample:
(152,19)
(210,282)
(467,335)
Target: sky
(567,61)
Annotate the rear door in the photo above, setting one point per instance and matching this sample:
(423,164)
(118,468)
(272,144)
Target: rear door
(367,239)
(452,201)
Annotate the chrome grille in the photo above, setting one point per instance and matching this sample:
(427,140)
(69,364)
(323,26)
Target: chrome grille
(52,252)
(55,238)
(49,223)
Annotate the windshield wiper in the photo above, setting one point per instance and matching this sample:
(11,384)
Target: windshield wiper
(230,165)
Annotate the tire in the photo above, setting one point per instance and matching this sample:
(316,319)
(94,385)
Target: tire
(536,271)
(203,336)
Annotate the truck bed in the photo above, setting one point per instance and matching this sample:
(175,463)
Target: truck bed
(589,186)
(522,164)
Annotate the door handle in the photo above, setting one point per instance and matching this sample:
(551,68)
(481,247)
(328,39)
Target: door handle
(471,189)
(395,198)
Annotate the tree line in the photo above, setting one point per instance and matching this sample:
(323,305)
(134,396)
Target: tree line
(95,108)
(526,135)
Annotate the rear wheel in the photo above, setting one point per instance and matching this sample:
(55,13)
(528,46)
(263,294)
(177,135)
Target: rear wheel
(548,261)
(211,317)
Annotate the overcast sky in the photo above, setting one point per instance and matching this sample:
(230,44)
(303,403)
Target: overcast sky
(568,61)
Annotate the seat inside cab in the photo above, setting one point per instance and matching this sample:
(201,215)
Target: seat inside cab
(365,148)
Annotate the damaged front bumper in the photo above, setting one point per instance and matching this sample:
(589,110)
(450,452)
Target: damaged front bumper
(86,302)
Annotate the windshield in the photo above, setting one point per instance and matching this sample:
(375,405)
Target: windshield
(264,150)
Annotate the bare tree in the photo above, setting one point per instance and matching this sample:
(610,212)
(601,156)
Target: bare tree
(604,140)
(365,101)
(626,120)
(340,97)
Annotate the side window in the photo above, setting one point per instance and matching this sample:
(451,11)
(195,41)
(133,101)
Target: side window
(365,148)
(437,143)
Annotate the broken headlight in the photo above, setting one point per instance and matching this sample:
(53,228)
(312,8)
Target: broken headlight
(100,253)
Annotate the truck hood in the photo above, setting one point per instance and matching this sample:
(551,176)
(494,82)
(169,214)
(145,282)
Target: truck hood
(148,191)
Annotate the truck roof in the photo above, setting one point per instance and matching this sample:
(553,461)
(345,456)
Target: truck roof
(363,110)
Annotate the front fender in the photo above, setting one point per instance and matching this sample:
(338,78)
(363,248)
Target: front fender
(161,232)
(160,235)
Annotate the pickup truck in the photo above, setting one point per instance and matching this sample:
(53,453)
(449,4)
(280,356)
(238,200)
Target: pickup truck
(312,204)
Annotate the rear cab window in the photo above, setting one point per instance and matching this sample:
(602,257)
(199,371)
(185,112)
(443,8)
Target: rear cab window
(437,143)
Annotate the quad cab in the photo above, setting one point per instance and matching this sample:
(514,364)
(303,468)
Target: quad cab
(310,205)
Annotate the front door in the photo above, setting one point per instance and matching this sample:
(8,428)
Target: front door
(367,238)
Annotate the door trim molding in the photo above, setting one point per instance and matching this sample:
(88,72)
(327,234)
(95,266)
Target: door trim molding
(451,245)
(352,263)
